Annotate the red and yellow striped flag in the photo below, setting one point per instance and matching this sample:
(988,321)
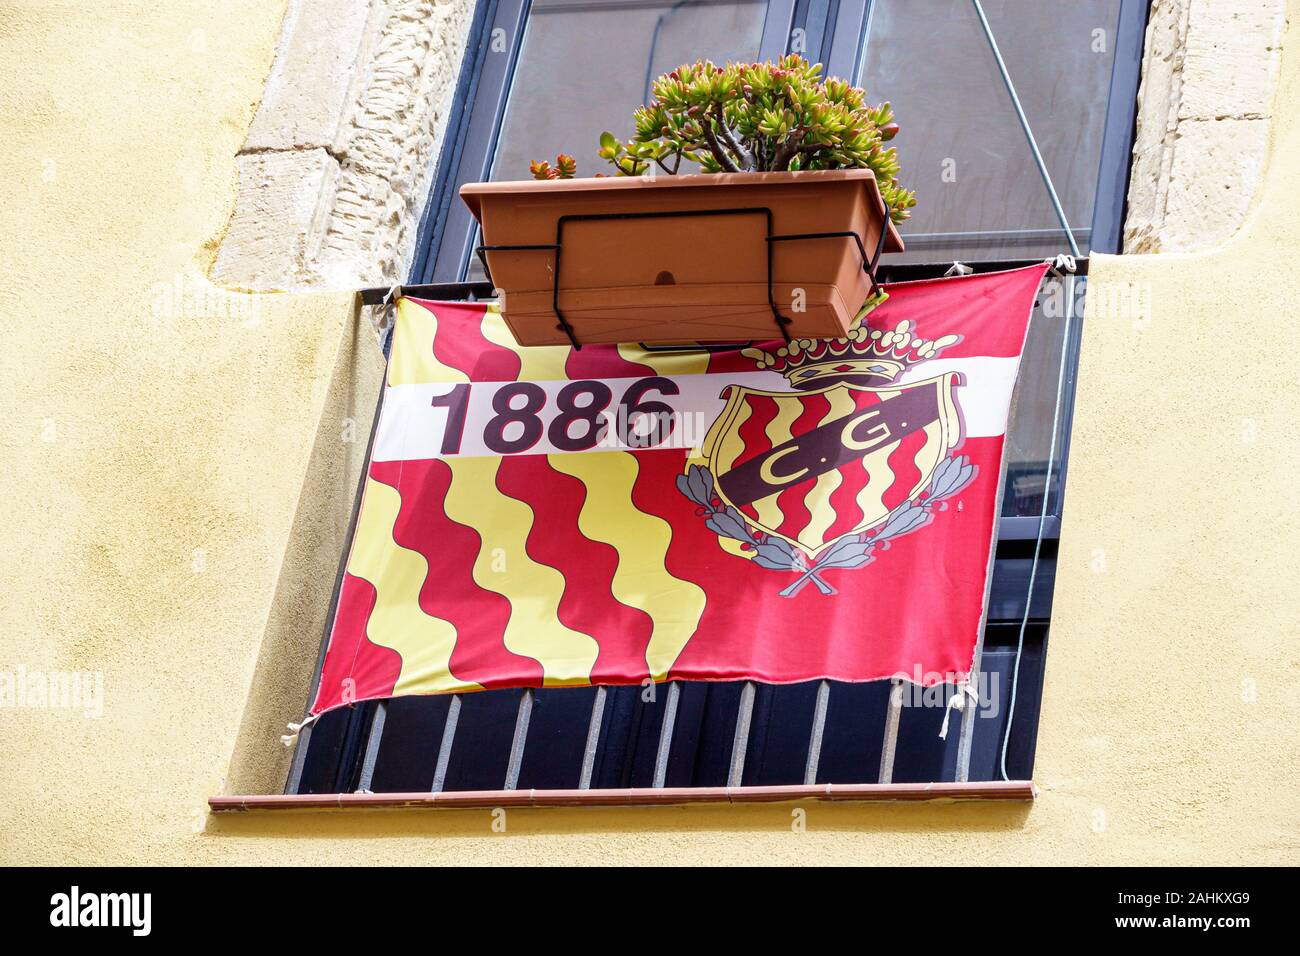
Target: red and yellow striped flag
(547,516)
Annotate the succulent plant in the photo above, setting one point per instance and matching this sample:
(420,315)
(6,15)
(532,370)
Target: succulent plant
(755,117)
(565,167)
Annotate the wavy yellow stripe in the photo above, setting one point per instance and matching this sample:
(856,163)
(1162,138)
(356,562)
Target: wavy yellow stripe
(537,363)
(723,446)
(817,500)
(412,361)
(503,565)
(725,434)
(821,515)
(936,447)
(871,497)
(641,579)
(424,642)
(777,431)
(842,404)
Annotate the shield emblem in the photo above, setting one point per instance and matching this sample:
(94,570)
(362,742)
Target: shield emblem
(813,467)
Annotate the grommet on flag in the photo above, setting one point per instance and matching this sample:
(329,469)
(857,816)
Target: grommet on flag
(958,702)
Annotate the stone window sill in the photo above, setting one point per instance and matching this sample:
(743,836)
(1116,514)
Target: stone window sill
(1021,791)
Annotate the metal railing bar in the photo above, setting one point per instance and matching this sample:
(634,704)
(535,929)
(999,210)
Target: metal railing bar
(373,739)
(998,234)
(666,734)
(970,707)
(433,290)
(818,731)
(593,739)
(445,745)
(516,761)
(299,761)
(886,272)
(889,743)
(740,744)
(1028,131)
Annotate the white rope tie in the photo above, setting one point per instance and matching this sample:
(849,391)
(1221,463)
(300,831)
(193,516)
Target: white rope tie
(1062,265)
(958,702)
(291,737)
(388,307)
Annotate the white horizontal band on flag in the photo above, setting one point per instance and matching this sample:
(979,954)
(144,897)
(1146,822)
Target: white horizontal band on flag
(493,418)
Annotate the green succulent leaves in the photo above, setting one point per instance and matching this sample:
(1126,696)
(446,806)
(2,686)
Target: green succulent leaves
(566,167)
(755,117)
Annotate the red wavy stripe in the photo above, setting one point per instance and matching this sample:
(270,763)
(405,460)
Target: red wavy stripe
(603,361)
(753,433)
(450,591)
(902,462)
(693,554)
(863,400)
(372,670)
(588,604)
(844,499)
(460,343)
(853,478)
(733,361)
(794,509)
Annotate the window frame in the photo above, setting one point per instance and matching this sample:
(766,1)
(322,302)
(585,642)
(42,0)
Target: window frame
(467,153)
(446,237)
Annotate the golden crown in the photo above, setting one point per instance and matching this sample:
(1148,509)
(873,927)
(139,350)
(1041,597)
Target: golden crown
(864,356)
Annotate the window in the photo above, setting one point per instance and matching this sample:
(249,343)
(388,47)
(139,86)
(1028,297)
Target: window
(526,92)
(533,98)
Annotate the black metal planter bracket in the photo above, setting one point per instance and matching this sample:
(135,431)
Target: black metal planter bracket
(782,321)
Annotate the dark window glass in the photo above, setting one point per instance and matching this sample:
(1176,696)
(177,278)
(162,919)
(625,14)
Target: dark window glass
(962,146)
(621,45)
(555,107)
(1034,404)
(704,732)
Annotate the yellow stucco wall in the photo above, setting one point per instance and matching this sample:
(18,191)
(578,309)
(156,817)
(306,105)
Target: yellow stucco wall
(177,471)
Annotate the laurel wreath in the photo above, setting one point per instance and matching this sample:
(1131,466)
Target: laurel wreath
(855,551)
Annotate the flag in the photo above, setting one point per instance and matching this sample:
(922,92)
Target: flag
(778,512)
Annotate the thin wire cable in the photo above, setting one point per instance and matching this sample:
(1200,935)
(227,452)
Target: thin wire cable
(1042,519)
(654,44)
(1029,133)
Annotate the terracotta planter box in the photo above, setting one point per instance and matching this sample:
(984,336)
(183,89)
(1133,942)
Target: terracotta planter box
(680,258)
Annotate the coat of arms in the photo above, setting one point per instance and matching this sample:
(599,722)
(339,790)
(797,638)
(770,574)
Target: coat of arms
(826,475)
